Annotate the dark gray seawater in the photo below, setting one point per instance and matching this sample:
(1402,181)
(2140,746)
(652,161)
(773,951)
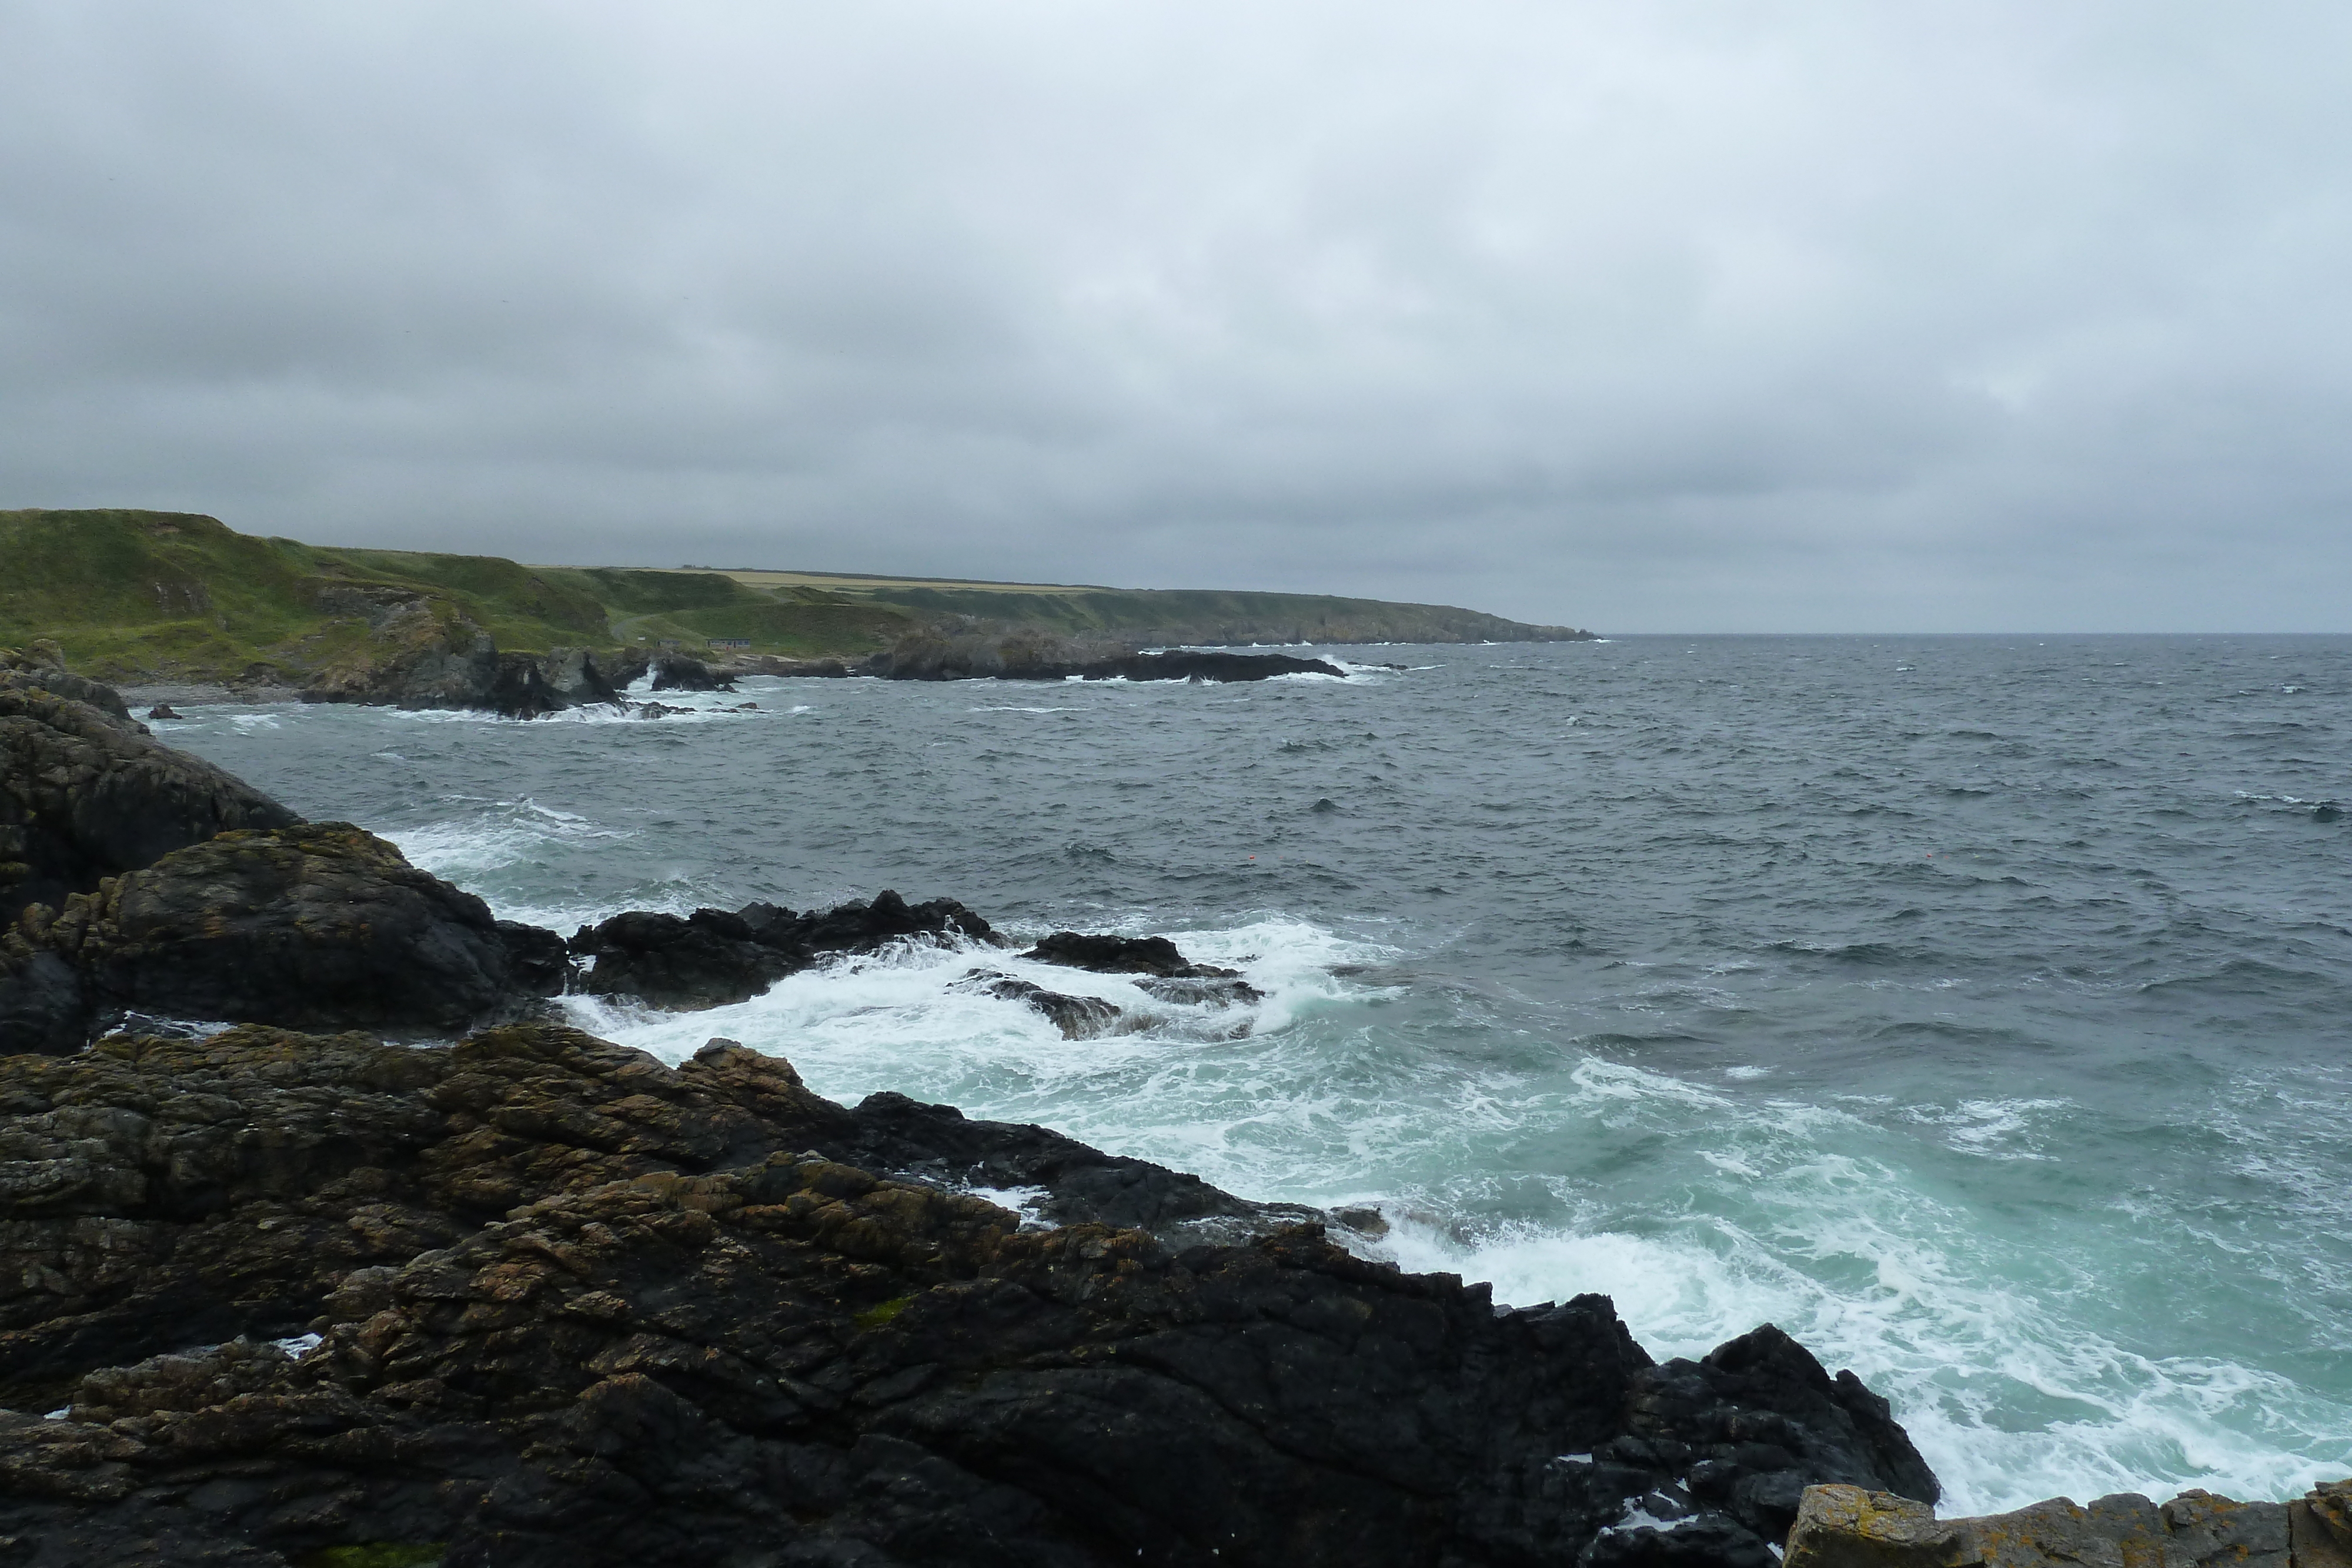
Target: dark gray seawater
(1978,1008)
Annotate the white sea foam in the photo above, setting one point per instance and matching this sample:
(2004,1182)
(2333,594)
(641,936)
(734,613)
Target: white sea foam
(1925,1306)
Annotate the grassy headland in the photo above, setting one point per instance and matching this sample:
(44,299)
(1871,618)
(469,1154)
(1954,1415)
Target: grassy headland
(177,596)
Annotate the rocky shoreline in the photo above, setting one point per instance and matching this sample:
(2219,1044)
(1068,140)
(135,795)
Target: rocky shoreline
(420,662)
(400,1269)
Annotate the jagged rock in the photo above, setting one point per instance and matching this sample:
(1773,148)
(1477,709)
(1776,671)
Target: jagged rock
(1852,1527)
(582,1309)
(164,710)
(715,957)
(1078,1017)
(309,925)
(576,677)
(1165,972)
(677,673)
(87,793)
(424,653)
(43,667)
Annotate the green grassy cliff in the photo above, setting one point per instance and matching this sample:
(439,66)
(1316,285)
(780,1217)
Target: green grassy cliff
(176,596)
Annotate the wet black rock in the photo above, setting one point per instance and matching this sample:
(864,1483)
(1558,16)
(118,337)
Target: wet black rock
(317,925)
(164,710)
(1078,1017)
(715,957)
(578,1308)
(87,793)
(1167,973)
(677,672)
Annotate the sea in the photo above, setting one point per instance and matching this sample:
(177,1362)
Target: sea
(1978,1009)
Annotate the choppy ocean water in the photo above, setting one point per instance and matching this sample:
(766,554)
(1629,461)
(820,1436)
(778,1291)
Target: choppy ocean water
(1979,1009)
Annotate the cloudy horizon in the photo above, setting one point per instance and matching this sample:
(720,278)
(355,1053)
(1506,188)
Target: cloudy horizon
(1729,316)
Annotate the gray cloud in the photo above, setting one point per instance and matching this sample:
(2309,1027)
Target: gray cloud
(1736,316)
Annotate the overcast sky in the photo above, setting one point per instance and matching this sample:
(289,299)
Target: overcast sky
(1814,316)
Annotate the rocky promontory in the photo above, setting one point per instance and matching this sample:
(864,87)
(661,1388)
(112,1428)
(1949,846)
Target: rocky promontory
(576,1307)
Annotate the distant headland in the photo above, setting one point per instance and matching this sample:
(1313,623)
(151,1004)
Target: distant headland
(179,596)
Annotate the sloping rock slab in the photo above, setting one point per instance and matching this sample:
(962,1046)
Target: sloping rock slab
(671,1343)
(87,793)
(319,924)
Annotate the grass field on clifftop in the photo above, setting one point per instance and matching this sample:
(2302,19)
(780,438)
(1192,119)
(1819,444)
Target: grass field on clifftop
(177,596)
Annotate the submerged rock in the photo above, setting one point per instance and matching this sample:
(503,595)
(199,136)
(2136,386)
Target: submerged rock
(87,793)
(577,1308)
(322,924)
(715,957)
(1852,1527)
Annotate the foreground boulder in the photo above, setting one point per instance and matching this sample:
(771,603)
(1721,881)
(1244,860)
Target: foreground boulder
(577,1308)
(87,793)
(318,924)
(1849,1527)
(715,957)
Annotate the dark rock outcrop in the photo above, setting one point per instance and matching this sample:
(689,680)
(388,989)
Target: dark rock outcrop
(87,793)
(322,924)
(577,1308)
(714,956)
(678,672)
(422,654)
(1039,657)
(1168,974)
(1854,1527)
(1078,1017)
